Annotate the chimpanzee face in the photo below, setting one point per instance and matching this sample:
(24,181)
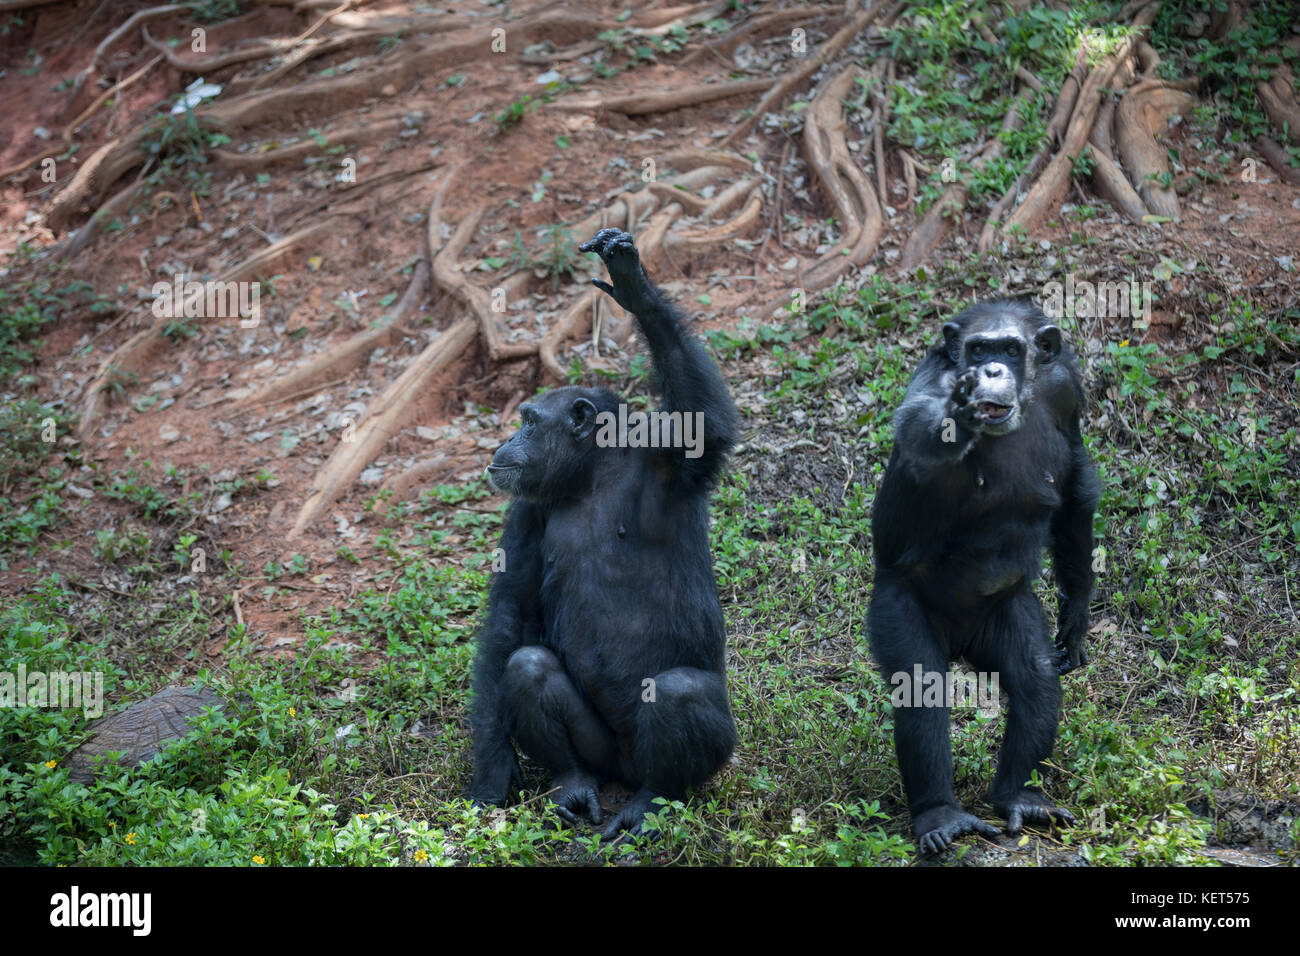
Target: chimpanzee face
(1002,346)
(541,461)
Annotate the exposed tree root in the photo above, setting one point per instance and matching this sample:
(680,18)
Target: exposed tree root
(644,104)
(311,146)
(106,44)
(349,354)
(759,25)
(1277,158)
(453,280)
(850,192)
(386,416)
(84,115)
(1277,96)
(1111,184)
(133,355)
(880,94)
(1045,197)
(663,22)
(806,68)
(1144,111)
(949,207)
(213,63)
(739,225)
(396,487)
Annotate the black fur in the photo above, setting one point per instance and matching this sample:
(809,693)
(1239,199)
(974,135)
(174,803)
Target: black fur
(608,582)
(971,496)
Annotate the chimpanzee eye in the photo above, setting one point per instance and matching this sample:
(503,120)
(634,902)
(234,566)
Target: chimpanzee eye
(1013,349)
(977,351)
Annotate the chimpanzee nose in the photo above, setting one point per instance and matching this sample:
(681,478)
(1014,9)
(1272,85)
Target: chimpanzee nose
(992,371)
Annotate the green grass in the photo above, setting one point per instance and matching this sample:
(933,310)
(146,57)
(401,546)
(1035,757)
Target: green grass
(356,750)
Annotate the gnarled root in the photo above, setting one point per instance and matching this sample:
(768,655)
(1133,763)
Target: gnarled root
(1144,111)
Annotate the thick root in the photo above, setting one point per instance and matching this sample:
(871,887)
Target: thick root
(349,354)
(807,67)
(1142,113)
(1277,96)
(1045,197)
(645,104)
(389,413)
(133,355)
(949,207)
(1278,159)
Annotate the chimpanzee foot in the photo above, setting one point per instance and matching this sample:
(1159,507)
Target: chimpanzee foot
(632,817)
(937,828)
(578,796)
(1030,806)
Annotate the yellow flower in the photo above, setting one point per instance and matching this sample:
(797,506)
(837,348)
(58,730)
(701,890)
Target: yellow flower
(259,860)
(1124,344)
(421,856)
(130,838)
(363,816)
(292,712)
(51,764)
(112,824)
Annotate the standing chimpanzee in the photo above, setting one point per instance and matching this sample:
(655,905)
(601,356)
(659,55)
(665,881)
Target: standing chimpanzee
(603,654)
(988,468)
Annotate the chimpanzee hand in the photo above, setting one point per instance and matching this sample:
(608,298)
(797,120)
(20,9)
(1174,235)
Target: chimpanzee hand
(631,287)
(1071,628)
(577,796)
(493,778)
(632,817)
(964,411)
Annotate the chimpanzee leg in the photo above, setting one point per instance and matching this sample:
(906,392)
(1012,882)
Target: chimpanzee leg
(555,726)
(901,638)
(1014,644)
(683,734)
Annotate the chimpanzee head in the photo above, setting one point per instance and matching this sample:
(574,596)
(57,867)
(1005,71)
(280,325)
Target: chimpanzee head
(550,456)
(1005,345)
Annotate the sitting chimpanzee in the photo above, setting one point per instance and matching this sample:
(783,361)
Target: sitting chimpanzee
(988,468)
(603,654)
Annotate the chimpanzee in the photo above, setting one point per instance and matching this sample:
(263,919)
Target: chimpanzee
(603,653)
(988,468)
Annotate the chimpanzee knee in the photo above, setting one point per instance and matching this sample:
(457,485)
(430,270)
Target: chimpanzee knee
(684,730)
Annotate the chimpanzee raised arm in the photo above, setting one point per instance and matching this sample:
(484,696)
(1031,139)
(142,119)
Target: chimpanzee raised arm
(689,380)
(603,656)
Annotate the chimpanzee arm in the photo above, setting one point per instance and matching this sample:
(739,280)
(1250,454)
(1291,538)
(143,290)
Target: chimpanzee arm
(690,380)
(1072,545)
(935,426)
(513,620)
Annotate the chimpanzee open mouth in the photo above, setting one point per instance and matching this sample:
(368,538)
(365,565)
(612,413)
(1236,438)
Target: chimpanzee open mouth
(994,413)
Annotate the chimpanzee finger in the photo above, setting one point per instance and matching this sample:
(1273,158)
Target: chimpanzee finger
(1063,815)
(1015,822)
(593,807)
(603,286)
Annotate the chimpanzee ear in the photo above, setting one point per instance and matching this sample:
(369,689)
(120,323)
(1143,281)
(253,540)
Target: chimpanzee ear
(952,340)
(1048,341)
(582,419)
